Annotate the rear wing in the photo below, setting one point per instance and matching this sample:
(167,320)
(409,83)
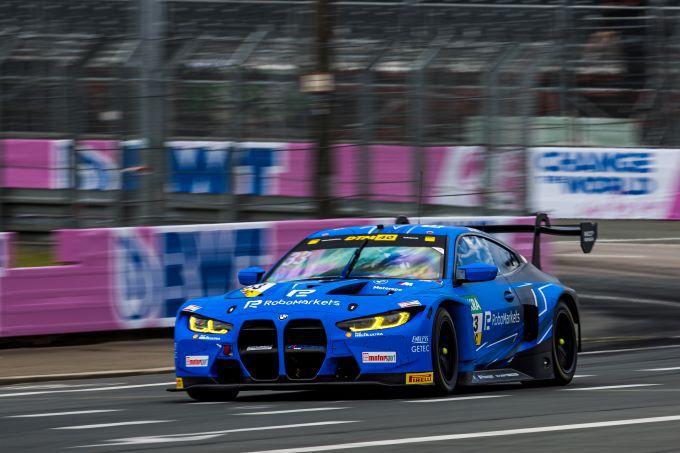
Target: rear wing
(587,231)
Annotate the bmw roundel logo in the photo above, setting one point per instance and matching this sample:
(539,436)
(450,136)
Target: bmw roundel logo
(283,317)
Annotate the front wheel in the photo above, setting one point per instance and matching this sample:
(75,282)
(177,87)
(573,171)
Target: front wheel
(212,395)
(444,352)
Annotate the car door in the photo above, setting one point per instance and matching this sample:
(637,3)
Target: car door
(496,311)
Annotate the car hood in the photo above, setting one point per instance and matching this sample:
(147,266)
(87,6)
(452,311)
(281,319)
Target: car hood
(360,296)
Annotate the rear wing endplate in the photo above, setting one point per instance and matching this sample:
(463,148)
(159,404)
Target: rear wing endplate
(587,231)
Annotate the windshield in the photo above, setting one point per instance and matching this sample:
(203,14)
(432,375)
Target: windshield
(405,257)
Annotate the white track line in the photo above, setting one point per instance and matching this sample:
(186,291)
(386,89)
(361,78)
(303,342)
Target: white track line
(57,414)
(674,368)
(601,256)
(608,387)
(505,432)
(584,375)
(97,389)
(293,411)
(205,435)
(111,425)
(639,240)
(460,398)
(633,300)
(93,373)
(610,351)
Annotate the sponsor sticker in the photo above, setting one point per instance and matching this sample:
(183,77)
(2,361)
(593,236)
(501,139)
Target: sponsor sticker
(179,383)
(405,283)
(419,378)
(300,292)
(313,241)
(366,334)
(502,319)
(430,239)
(374,237)
(420,343)
(378,357)
(195,361)
(295,302)
(205,337)
(477,320)
(191,308)
(412,303)
(386,288)
(256,290)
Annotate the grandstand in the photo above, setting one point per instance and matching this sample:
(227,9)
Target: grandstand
(465,60)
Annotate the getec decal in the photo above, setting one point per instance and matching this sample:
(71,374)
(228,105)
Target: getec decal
(477,320)
(378,357)
(420,343)
(256,290)
(419,378)
(374,237)
(195,361)
(310,302)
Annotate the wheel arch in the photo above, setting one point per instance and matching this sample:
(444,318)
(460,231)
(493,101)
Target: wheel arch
(462,321)
(571,301)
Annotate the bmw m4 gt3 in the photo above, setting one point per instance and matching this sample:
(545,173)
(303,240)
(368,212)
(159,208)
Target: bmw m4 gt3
(407,305)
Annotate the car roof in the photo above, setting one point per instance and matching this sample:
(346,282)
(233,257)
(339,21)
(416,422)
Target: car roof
(436,230)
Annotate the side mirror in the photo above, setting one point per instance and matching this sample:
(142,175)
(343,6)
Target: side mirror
(477,272)
(250,275)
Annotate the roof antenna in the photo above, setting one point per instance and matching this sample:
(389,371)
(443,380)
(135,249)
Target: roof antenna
(401,220)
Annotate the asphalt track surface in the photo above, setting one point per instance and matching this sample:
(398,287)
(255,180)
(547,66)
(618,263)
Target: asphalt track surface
(625,398)
(621,401)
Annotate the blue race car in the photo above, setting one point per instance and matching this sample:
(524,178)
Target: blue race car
(426,305)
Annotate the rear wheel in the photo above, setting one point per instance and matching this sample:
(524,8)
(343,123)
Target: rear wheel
(564,345)
(212,395)
(444,352)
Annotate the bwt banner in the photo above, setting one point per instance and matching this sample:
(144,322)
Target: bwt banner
(452,175)
(130,278)
(606,183)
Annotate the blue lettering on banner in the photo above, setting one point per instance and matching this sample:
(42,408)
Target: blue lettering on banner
(259,159)
(592,172)
(202,263)
(96,170)
(595,162)
(199,167)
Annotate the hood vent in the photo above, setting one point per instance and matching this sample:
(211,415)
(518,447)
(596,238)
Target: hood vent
(351,289)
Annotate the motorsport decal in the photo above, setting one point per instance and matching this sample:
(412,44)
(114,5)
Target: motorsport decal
(256,290)
(419,378)
(385,288)
(378,357)
(191,308)
(405,284)
(373,240)
(196,361)
(205,337)
(420,343)
(272,303)
(477,320)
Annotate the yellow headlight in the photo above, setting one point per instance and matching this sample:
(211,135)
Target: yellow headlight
(380,322)
(204,325)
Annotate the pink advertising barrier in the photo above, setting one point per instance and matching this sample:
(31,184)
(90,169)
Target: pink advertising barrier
(131,278)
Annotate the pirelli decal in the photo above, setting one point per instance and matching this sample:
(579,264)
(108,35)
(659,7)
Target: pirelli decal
(419,378)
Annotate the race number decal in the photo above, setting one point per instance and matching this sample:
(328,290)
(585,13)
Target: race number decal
(477,318)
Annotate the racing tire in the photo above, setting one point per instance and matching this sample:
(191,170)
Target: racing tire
(206,395)
(444,352)
(564,345)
